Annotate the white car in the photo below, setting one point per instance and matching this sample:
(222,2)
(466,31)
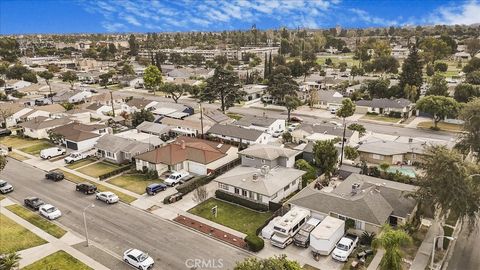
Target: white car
(5,187)
(277,133)
(176,177)
(107,196)
(52,152)
(3,152)
(49,211)
(138,259)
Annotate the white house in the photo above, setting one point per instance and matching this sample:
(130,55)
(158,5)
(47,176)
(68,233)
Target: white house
(81,96)
(80,137)
(38,127)
(238,134)
(261,123)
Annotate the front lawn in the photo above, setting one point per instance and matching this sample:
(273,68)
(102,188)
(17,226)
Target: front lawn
(80,163)
(37,220)
(15,237)
(442,126)
(381,118)
(17,156)
(99,168)
(133,182)
(230,215)
(58,260)
(36,148)
(77,179)
(18,142)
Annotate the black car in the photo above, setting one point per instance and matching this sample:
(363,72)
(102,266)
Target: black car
(55,176)
(5,132)
(33,202)
(86,188)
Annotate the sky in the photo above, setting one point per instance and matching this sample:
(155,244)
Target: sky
(110,16)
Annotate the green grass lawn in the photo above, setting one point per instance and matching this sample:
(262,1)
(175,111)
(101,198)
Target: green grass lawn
(18,142)
(234,116)
(58,260)
(2,197)
(17,156)
(380,118)
(14,237)
(133,182)
(443,126)
(36,148)
(77,179)
(80,163)
(34,218)
(97,169)
(338,59)
(230,215)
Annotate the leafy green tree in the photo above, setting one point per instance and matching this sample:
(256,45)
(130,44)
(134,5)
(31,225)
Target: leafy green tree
(281,85)
(70,77)
(472,65)
(127,69)
(174,90)
(434,49)
(291,103)
(358,127)
(152,78)
(442,67)
(326,156)
(311,174)
(429,70)
(346,110)
(276,263)
(391,241)
(470,114)
(296,68)
(221,60)
(384,167)
(30,77)
(133,45)
(412,72)
(438,86)
(68,106)
(9,49)
(410,92)
(464,92)
(140,116)
(351,153)
(438,106)
(16,72)
(223,86)
(105,78)
(473,77)
(47,76)
(356,71)
(388,64)
(378,88)
(287,137)
(10,261)
(473,46)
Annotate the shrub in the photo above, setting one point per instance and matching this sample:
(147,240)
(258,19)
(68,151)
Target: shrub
(115,172)
(367,238)
(194,184)
(254,242)
(166,200)
(395,114)
(349,223)
(372,113)
(233,198)
(442,67)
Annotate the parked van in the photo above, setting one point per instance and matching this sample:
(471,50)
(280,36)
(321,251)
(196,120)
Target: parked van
(52,152)
(154,188)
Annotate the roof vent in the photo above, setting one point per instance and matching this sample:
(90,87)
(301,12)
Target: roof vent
(255,177)
(265,169)
(355,188)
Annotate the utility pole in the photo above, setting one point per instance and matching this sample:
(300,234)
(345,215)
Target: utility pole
(111,100)
(343,141)
(201,119)
(85,221)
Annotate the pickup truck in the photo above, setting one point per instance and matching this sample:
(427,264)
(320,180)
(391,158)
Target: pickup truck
(345,247)
(76,156)
(177,177)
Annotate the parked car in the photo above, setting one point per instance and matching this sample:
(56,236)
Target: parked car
(55,176)
(293,126)
(3,152)
(52,152)
(296,119)
(335,123)
(76,156)
(154,188)
(107,196)
(33,202)
(49,211)
(175,178)
(5,132)
(333,110)
(175,197)
(345,247)
(5,187)
(86,188)
(277,133)
(138,259)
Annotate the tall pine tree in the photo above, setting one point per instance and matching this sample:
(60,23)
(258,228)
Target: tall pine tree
(270,65)
(265,68)
(412,70)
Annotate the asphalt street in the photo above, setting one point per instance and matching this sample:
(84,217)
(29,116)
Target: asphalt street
(466,254)
(120,226)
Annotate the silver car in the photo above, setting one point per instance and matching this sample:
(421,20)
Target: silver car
(5,187)
(107,196)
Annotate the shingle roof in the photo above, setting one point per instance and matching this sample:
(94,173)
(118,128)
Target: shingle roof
(216,116)
(268,152)
(385,103)
(78,131)
(155,128)
(235,132)
(116,144)
(52,108)
(139,103)
(330,96)
(254,120)
(42,122)
(329,129)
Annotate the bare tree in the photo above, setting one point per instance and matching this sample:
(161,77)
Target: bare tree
(4,114)
(200,194)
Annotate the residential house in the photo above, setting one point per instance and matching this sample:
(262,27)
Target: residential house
(253,91)
(138,136)
(216,117)
(78,136)
(238,134)
(38,127)
(325,131)
(79,96)
(10,113)
(12,85)
(106,99)
(189,154)
(51,111)
(120,150)
(154,129)
(261,123)
(262,177)
(402,107)
(137,104)
(370,202)
(328,99)
(186,127)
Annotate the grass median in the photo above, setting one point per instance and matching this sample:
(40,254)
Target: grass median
(15,237)
(58,260)
(34,218)
(77,179)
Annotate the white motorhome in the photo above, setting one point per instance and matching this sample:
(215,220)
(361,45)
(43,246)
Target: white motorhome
(326,235)
(288,226)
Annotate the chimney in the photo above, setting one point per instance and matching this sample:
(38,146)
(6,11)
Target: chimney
(265,169)
(255,177)
(355,188)
(410,140)
(182,144)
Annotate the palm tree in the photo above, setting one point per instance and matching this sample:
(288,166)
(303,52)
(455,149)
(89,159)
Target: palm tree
(9,261)
(391,240)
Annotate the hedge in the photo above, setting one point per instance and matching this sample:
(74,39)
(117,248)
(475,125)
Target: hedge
(372,113)
(166,200)
(115,172)
(254,243)
(194,184)
(395,114)
(220,194)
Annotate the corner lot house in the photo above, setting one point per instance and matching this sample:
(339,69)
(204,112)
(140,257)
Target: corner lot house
(237,134)
(194,155)
(80,137)
(38,127)
(401,106)
(264,124)
(120,150)
(263,154)
(370,202)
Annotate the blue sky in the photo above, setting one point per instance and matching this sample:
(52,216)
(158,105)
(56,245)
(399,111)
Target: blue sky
(81,16)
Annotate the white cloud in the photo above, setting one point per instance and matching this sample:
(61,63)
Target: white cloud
(465,13)
(132,20)
(364,16)
(113,27)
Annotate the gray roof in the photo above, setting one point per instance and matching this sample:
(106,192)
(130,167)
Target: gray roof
(330,96)
(216,116)
(398,103)
(268,152)
(154,128)
(116,144)
(235,132)
(42,122)
(253,120)
(388,148)
(276,179)
(328,129)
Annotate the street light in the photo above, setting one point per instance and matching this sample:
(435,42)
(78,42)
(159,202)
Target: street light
(433,248)
(85,220)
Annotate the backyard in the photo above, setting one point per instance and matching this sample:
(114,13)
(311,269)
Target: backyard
(99,168)
(133,182)
(58,260)
(15,237)
(230,215)
(380,118)
(37,220)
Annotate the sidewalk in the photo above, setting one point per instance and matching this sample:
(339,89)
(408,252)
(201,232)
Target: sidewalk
(376,260)
(36,253)
(422,258)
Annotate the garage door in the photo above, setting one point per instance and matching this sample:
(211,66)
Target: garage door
(197,168)
(72,145)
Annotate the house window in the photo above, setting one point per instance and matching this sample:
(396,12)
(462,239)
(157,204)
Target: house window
(223,186)
(244,193)
(110,154)
(237,191)
(359,225)
(294,182)
(259,197)
(379,157)
(286,187)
